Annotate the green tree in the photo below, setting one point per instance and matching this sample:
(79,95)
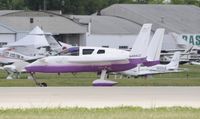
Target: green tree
(177,1)
(79,6)
(5,4)
(18,4)
(34,4)
(155,1)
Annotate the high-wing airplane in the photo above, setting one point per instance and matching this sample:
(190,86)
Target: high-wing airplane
(35,45)
(28,49)
(8,56)
(173,66)
(94,59)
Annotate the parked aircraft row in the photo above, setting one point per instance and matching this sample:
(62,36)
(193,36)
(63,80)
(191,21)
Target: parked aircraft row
(144,52)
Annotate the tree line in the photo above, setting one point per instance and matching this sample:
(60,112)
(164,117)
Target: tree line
(78,6)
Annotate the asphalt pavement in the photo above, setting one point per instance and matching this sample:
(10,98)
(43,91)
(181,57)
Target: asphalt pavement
(99,97)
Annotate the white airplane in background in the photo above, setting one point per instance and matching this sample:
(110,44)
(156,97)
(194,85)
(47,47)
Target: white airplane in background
(28,49)
(153,53)
(33,46)
(94,59)
(195,63)
(7,56)
(173,66)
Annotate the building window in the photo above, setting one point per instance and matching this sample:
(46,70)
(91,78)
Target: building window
(2,44)
(31,20)
(101,52)
(87,51)
(123,47)
(105,46)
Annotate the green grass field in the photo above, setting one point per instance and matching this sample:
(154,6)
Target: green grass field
(106,113)
(187,78)
(85,79)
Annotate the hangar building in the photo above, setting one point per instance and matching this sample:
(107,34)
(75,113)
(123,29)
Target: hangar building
(180,21)
(16,24)
(115,26)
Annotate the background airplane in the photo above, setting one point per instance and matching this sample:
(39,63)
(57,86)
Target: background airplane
(173,66)
(33,46)
(195,63)
(153,52)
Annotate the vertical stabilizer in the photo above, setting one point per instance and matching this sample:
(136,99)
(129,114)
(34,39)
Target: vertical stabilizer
(174,63)
(139,48)
(154,48)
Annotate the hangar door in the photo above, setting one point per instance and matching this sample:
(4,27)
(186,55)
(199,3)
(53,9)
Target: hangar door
(6,38)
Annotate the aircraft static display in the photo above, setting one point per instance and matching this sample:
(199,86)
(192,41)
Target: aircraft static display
(94,59)
(173,66)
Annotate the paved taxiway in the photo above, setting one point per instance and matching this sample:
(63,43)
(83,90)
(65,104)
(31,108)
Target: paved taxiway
(146,97)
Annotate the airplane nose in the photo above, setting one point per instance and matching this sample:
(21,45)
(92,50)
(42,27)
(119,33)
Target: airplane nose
(33,67)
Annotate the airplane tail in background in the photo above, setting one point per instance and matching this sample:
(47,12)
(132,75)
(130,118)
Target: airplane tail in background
(139,48)
(154,48)
(174,63)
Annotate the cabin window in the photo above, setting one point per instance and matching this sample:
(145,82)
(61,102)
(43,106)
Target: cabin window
(12,55)
(87,51)
(18,56)
(101,52)
(123,47)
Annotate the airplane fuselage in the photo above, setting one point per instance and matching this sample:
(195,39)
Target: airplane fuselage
(87,60)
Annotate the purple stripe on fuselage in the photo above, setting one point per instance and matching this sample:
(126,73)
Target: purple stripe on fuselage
(151,63)
(85,68)
(104,84)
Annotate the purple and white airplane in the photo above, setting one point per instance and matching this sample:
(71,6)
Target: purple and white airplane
(95,59)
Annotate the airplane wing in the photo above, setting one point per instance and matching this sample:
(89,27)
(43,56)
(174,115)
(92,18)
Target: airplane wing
(176,70)
(162,72)
(151,72)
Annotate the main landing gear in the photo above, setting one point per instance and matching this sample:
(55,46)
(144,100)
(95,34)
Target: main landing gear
(43,84)
(103,81)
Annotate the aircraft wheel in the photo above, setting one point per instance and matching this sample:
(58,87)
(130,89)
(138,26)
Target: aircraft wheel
(43,84)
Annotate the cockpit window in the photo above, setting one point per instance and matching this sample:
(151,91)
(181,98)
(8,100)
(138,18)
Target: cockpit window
(87,51)
(74,51)
(101,52)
